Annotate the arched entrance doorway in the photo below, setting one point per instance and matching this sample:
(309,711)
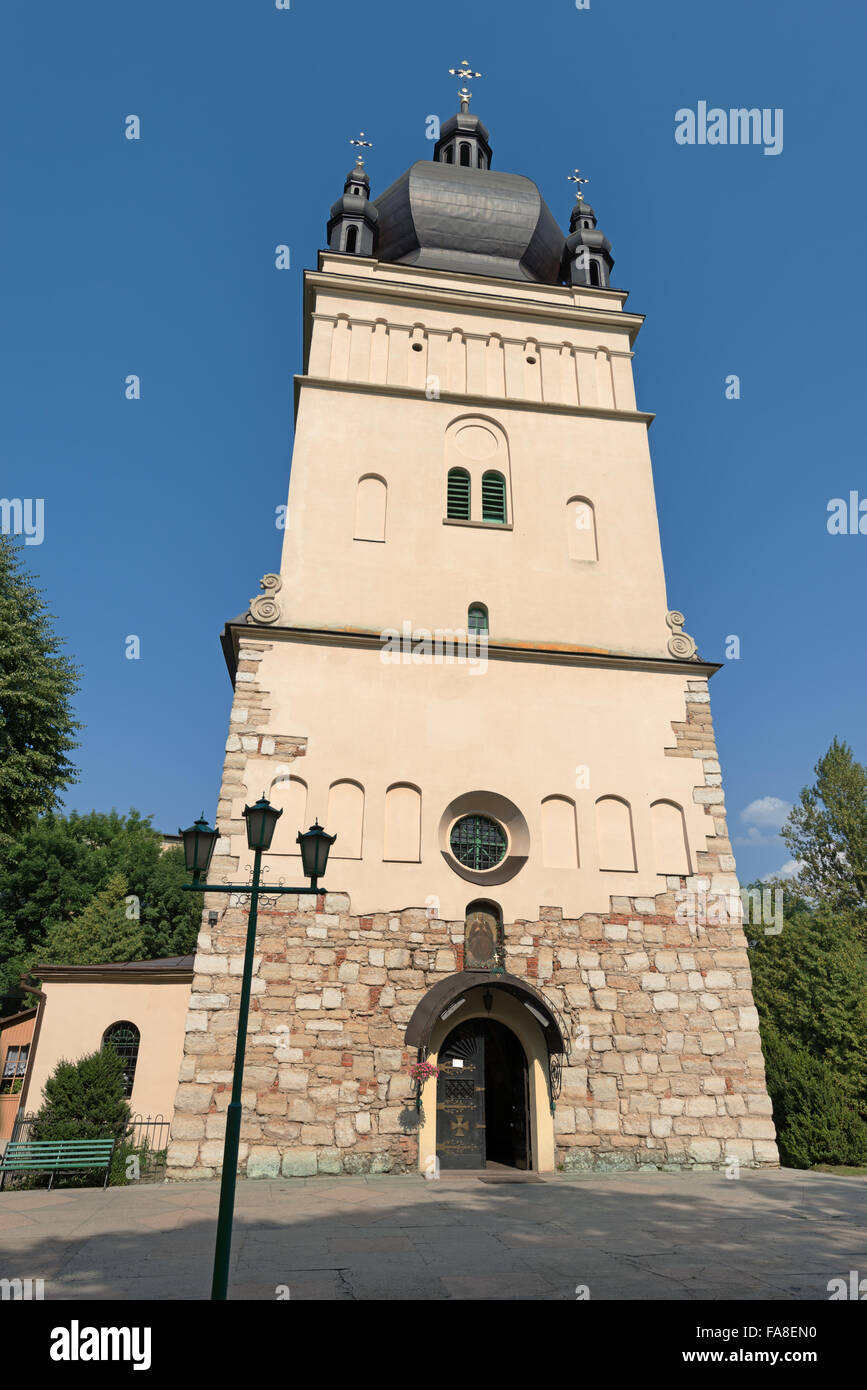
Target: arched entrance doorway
(488,997)
(483,1104)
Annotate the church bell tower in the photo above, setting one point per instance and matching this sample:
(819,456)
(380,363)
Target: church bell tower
(468,670)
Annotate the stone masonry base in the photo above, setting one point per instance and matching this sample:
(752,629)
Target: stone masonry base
(665,1070)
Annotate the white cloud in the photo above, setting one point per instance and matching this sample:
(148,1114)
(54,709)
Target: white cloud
(769,811)
(763,819)
(790,869)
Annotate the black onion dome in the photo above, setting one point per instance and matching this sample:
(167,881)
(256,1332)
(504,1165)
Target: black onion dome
(477,221)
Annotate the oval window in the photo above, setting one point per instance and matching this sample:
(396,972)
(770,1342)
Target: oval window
(478,842)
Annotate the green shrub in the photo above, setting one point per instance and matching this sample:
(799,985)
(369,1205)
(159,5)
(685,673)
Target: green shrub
(84,1100)
(814,1113)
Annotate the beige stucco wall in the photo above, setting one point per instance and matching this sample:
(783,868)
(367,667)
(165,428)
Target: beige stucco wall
(571,430)
(523,730)
(77,1014)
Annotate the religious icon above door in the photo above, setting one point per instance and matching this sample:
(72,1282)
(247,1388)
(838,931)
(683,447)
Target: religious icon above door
(483,943)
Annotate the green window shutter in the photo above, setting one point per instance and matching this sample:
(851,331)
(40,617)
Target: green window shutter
(458,504)
(494,498)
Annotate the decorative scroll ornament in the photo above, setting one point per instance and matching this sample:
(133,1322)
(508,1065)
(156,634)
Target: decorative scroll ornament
(680,644)
(264,608)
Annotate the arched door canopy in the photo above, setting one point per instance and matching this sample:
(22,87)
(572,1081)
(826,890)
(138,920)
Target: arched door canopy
(445,992)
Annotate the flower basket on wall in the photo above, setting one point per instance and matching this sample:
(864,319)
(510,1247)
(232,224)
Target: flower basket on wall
(420,1073)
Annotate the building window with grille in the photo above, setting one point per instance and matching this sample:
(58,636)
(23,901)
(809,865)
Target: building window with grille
(458,495)
(124,1037)
(477,618)
(494,498)
(478,842)
(14,1068)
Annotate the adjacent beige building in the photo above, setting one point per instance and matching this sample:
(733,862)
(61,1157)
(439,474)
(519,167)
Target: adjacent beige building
(141,1005)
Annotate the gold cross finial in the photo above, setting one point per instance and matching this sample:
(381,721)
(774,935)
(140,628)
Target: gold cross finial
(576,179)
(365,145)
(463,71)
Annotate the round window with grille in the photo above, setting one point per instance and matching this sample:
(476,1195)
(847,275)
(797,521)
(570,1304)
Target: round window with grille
(478,843)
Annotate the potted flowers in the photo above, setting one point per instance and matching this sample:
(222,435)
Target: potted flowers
(420,1073)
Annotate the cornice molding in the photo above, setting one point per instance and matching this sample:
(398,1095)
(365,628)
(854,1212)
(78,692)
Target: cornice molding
(395,291)
(369,388)
(362,638)
(110,974)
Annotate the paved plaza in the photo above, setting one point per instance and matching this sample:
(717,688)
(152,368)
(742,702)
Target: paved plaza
(769,1235)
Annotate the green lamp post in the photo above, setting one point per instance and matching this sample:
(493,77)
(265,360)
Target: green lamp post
(199,841)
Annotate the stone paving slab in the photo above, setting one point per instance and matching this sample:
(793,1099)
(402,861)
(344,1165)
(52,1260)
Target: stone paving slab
(669,1236)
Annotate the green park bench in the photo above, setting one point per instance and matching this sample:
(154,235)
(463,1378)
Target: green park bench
(56,1156)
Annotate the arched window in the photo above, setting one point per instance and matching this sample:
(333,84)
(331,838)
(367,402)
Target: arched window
(494,497)
(370,503)
(465,154)
(401,839)
(616,840)
(581,529)
(559,833)
(124,1037)
(351,238)
(594,273)
(670,852)
(346,818)
(289,794)
(458,498)
(477,618)
(450,155)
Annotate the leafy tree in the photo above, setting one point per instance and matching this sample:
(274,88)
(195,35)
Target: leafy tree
(50,873)
(103,932)
(827,832)
(816,1121)
(810,986)
(84,1099)
(37,683)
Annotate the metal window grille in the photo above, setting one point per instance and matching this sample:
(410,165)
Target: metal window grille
(458,503)
(478,843)
(494,498)
(124,1038)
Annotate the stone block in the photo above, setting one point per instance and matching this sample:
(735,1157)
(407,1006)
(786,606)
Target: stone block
(263,1163)
(182,1155)
(345,1132)
(755,1128)
(606,1121)
(193,1099)
(289,1079)
(317,1134)
(299,1163)
(705,1150)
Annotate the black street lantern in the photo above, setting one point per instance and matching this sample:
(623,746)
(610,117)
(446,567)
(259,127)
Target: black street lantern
(199,841)
(261,822)
(315,845)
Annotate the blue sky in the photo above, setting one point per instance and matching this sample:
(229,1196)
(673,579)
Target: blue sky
(156,257)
